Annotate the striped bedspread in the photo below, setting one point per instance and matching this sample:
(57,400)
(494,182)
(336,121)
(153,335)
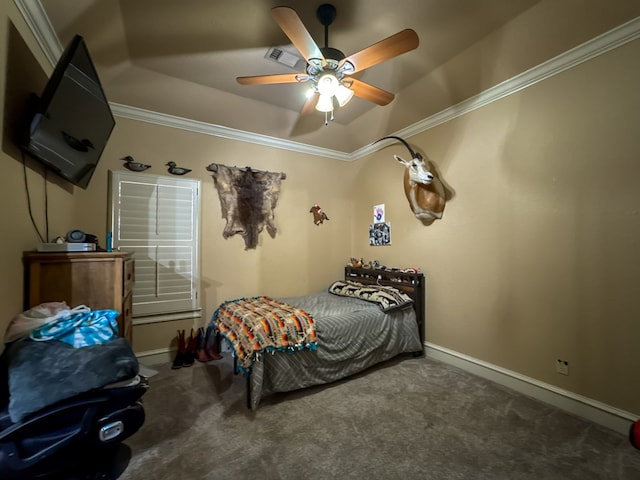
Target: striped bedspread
(258,325)
(353,335)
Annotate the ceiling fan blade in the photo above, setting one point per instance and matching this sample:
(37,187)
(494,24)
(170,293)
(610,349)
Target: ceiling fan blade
(390,47)
(267,79)
(292,26)
(371,93)
(310,105)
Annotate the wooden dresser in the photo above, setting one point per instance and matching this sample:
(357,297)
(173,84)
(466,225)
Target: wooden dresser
(100,280)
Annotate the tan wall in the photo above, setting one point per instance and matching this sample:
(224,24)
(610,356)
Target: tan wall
(534,259)
(301,258)
(538,253)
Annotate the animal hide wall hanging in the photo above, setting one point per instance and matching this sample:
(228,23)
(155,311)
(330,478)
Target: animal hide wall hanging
(248,199)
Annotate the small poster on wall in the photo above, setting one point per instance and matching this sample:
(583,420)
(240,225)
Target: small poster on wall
(380,233)
(378,213)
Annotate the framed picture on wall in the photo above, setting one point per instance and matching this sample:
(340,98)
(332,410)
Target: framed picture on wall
(378,213)
(380,233)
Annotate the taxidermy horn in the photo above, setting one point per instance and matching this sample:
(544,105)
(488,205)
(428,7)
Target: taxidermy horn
(406,144)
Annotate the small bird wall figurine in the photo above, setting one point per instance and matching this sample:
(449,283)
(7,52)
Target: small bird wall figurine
(131,164)
(175,170)
(318,215)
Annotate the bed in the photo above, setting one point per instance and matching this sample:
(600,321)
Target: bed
(351,334)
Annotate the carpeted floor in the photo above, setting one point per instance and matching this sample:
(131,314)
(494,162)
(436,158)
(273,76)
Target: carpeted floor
(409,418)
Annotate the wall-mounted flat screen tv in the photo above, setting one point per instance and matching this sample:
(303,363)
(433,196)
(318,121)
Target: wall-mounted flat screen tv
(72,121)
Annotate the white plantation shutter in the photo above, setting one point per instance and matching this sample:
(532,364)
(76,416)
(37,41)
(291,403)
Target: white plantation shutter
(157,218)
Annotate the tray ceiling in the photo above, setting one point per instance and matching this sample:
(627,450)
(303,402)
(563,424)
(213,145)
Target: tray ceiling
(181,58)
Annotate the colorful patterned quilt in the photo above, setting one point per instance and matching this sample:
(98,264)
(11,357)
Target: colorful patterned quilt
(258,325)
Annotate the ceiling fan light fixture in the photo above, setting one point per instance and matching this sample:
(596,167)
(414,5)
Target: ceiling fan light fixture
(347,68)
(328,69)
(328,84)
(343,95)
(325,103)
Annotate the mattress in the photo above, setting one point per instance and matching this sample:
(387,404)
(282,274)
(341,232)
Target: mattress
(352,335)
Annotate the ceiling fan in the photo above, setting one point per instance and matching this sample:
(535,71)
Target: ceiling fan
(328,69)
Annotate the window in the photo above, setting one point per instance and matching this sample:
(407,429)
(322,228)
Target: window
(157,218)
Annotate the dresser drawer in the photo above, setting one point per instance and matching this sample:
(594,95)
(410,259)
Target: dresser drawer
(125,326)
(128,277)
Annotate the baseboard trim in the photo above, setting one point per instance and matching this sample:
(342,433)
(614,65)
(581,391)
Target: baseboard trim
(155,357)
(597,412)
(592,410)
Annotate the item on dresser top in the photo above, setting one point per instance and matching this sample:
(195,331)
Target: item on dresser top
(66,247)
(79,327)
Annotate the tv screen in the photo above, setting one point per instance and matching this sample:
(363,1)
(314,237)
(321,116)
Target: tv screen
(73,121)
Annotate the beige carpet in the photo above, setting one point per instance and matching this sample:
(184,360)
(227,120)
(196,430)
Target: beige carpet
(410,418)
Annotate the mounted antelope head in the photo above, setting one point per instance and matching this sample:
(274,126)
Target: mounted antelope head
(423,190)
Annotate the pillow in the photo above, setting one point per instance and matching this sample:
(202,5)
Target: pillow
(387,298)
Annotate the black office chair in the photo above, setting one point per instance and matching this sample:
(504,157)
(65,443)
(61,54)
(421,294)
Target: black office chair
(75,437)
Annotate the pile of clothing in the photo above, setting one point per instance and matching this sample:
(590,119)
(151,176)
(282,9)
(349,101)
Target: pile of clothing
(69,388)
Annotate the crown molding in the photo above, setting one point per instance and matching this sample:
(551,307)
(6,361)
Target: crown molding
(36,18)
(625,33)
(39,24)
(134,113)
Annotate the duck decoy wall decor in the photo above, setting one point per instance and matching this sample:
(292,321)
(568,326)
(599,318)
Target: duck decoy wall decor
(131,164)
(175,170)
(248,199)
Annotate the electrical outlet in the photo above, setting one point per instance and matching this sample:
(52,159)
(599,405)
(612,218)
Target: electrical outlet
(562,367)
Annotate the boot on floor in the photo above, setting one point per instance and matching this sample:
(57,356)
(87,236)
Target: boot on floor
(204,346)
(634,434)
(201,352)
(212,344)
(181,352)
(190,350)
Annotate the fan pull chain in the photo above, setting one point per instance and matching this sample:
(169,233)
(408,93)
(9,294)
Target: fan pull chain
(327,118)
